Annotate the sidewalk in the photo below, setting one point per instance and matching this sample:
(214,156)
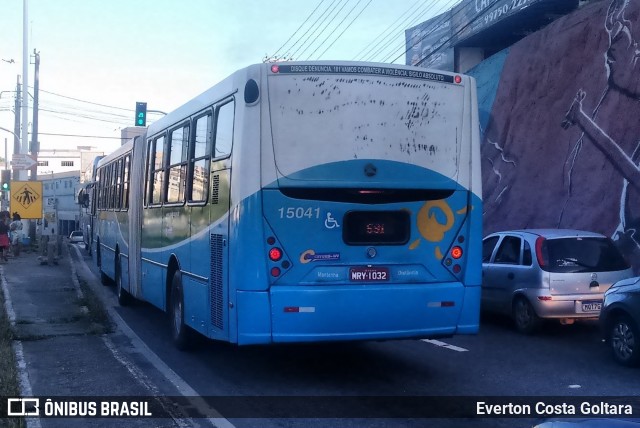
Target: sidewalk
(69,350)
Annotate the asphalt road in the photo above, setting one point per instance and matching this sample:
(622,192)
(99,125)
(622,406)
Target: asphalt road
(560,361)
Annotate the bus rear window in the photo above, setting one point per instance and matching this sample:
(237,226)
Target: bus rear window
(376,228)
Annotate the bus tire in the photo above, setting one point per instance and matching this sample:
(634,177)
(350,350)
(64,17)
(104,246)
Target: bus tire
(104,279)
(182,335)
(124,298)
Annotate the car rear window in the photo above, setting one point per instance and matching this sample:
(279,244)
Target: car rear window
(582,255)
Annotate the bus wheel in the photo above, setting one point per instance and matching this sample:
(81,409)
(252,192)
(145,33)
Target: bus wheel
(124,298)
(104,279)
(181,334)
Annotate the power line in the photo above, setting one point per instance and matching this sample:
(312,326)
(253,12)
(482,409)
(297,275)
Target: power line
(347,27)
(84,101)
(79,136)
(385,33)
(443,17)
(291,55)
(453,36)
(83,116)
(326,27)
(440,11)
(296,32)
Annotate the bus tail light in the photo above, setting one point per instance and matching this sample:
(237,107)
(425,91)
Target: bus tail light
(277,261)
(454,259)
(456,252)
(275,254)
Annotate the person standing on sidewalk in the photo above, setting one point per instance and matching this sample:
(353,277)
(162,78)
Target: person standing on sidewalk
(15,228)
(4,239)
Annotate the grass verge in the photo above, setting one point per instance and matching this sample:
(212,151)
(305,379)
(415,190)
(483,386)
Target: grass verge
(9,386)
(97,313)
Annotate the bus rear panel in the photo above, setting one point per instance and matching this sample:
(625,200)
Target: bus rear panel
(370,205)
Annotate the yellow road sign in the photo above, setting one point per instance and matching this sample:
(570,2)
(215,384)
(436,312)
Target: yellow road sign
(26,199)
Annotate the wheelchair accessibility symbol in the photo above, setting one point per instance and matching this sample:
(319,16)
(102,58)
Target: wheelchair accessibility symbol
(330,222)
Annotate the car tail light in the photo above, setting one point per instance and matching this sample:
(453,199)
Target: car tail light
(539,253)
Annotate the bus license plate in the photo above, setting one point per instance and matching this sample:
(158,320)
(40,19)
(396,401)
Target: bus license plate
(369,274)
(592,306)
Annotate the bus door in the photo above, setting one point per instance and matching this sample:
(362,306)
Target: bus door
(220,197)
(219,245)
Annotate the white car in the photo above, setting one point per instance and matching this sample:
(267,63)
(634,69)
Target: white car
(76,237)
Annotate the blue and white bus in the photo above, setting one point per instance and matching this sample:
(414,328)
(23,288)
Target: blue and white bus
(86,200)
(303,202)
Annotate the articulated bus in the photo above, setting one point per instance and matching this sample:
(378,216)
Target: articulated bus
(303,202)
(86,200)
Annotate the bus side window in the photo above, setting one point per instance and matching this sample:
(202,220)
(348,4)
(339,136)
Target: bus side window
(125,183)
(224,130)
(147,173)
(156,176)
(176,173)
(199,159)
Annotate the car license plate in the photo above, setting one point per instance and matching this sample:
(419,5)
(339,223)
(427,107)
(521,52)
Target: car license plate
(369,274)
(592,306)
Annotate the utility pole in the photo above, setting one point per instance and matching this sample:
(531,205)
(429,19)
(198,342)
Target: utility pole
(35,145)
(5,195)
(16,127)
(25,81)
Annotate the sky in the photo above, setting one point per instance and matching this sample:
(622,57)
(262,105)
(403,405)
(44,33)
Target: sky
(98,58)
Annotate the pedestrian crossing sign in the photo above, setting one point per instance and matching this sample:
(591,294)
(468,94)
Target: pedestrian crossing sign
(26,199)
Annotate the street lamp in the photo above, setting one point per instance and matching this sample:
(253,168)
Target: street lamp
(6,161)
(14,134)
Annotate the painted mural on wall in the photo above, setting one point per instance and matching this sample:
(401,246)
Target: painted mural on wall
(562,146)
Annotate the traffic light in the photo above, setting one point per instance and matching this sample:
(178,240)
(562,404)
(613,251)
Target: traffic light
(6,179)
(141,114)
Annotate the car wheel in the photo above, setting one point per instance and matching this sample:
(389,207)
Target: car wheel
(526,319)
(625,338)
(181,333)
(124,298)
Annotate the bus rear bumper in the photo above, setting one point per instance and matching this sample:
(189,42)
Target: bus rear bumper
(363,312)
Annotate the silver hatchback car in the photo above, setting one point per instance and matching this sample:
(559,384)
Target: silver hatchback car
(548,273)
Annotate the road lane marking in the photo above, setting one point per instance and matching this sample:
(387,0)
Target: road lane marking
(445,345)
(212,415)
